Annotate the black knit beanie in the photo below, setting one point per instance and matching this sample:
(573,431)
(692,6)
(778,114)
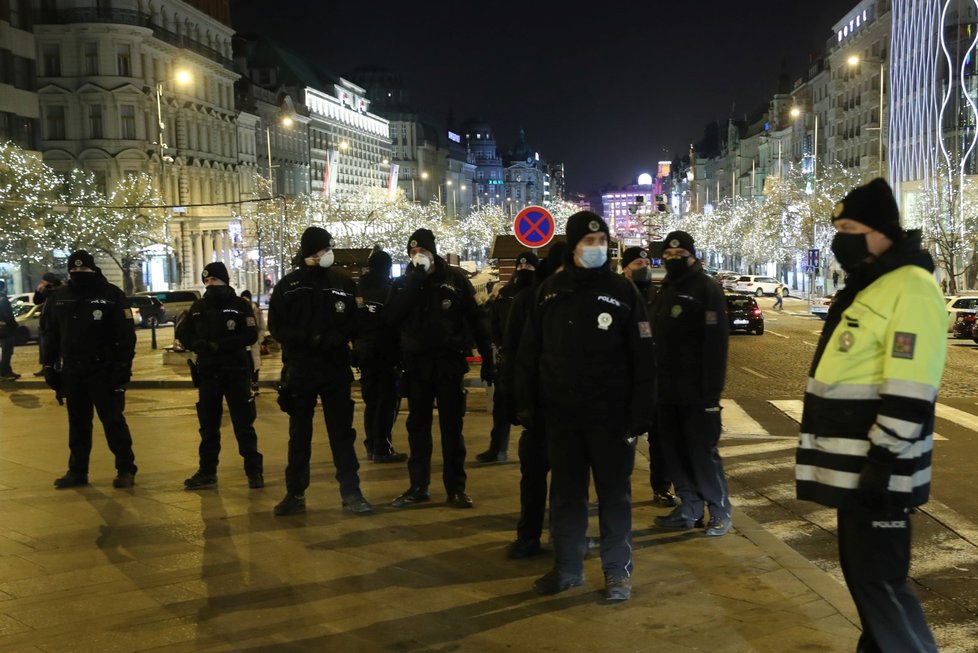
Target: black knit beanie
(874,206)
(422,238)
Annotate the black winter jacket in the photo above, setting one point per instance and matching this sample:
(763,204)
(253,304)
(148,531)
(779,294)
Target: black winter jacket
(88,330)
(227,323)
(689,325)
(437,316)
(376,342)
(312,313)
(585,359)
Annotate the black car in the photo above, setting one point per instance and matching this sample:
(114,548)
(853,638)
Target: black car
(743,314)
(146,309)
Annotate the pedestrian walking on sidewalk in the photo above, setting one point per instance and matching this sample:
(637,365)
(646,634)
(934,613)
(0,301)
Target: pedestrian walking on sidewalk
(312,313)
(637,266)
(778,298)
(8,335)
(868,419)
(89,343)
(585,370)
(377,355)
(434,311)
(689,325)
(255,349)
(500,307)
(219,329)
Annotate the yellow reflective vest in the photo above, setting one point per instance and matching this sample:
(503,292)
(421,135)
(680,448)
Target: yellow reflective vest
(875,385)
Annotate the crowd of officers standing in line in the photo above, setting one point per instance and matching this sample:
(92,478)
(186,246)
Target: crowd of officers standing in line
(586,361)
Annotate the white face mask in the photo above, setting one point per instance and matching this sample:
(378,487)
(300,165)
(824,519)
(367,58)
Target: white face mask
(326,259)
(421,261)
(592,256)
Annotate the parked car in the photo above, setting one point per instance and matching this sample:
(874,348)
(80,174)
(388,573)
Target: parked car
(758,285)
(960,304)
(22,298)
(820,305)
(743,314)
(143,315)
(964,326)
(28,318)
(175,301)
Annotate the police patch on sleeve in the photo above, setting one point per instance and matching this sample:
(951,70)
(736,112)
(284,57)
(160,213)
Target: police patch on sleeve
(644,330)
(711,317)
(250,321)
(127,313)
(903,344)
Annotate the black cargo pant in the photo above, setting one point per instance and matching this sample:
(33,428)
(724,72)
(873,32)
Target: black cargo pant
(576,454)
(534,467)
(331,385)
(658,471)
(689,436)
(235,387)
(874,551)
(436,380)
(499,435)
(86,394)
(378,385)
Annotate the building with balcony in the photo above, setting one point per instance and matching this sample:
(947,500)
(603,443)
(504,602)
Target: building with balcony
(19,114)
(136,88)
(527,177)
(490,176)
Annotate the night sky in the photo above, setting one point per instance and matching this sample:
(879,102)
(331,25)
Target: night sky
(608,90)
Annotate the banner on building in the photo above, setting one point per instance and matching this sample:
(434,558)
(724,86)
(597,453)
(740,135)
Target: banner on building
(328,172)
(392,181)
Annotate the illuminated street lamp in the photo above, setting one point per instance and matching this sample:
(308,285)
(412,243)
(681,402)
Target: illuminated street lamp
(285,121)
(795,113)
(182,78)
(854,61)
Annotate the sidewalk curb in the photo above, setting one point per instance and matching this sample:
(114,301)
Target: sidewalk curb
(835,594)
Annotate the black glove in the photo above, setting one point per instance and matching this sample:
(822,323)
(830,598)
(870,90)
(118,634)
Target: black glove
(52,377)
(284,399)
(203,347)
(874,480)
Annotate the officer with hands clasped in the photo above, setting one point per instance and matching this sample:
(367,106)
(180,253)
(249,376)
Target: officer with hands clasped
(868,421)
(585,371)
(689,325)
(89,344)
(219,329)
(312,313)
(433,308)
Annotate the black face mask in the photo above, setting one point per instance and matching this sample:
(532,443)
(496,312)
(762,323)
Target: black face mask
(642,277)
(850,250)
(83,280)
(524,277)
(676,266)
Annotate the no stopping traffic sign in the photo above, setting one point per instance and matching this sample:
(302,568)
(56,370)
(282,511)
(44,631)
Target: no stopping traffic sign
(534,226)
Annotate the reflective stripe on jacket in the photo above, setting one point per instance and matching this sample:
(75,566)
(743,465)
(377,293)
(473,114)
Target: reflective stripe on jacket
(875,386)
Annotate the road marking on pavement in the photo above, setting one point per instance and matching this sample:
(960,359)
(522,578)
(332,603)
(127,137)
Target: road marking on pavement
(790,407)
(754,372)
(952,519)
(959,417)
(810,344)
(775,333)
(737,423)
(733,451)
(793,407)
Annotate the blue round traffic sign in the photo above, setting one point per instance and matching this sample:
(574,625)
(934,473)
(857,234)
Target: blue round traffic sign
(534,226)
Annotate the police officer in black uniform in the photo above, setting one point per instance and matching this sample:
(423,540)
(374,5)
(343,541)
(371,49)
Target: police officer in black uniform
(636,264)
(219,330)
(434,309)
(499,309)
(377,356)
(89,344)
(534,461)
(689,324)
(585,371)
(312,313)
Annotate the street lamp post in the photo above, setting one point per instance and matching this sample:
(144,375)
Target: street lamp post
(182,78)
(285,121)
(449,182)
(795,112)
(424,182)
(854,61)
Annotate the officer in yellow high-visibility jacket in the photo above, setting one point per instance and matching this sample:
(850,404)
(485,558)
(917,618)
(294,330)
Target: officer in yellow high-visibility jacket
(866,432)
